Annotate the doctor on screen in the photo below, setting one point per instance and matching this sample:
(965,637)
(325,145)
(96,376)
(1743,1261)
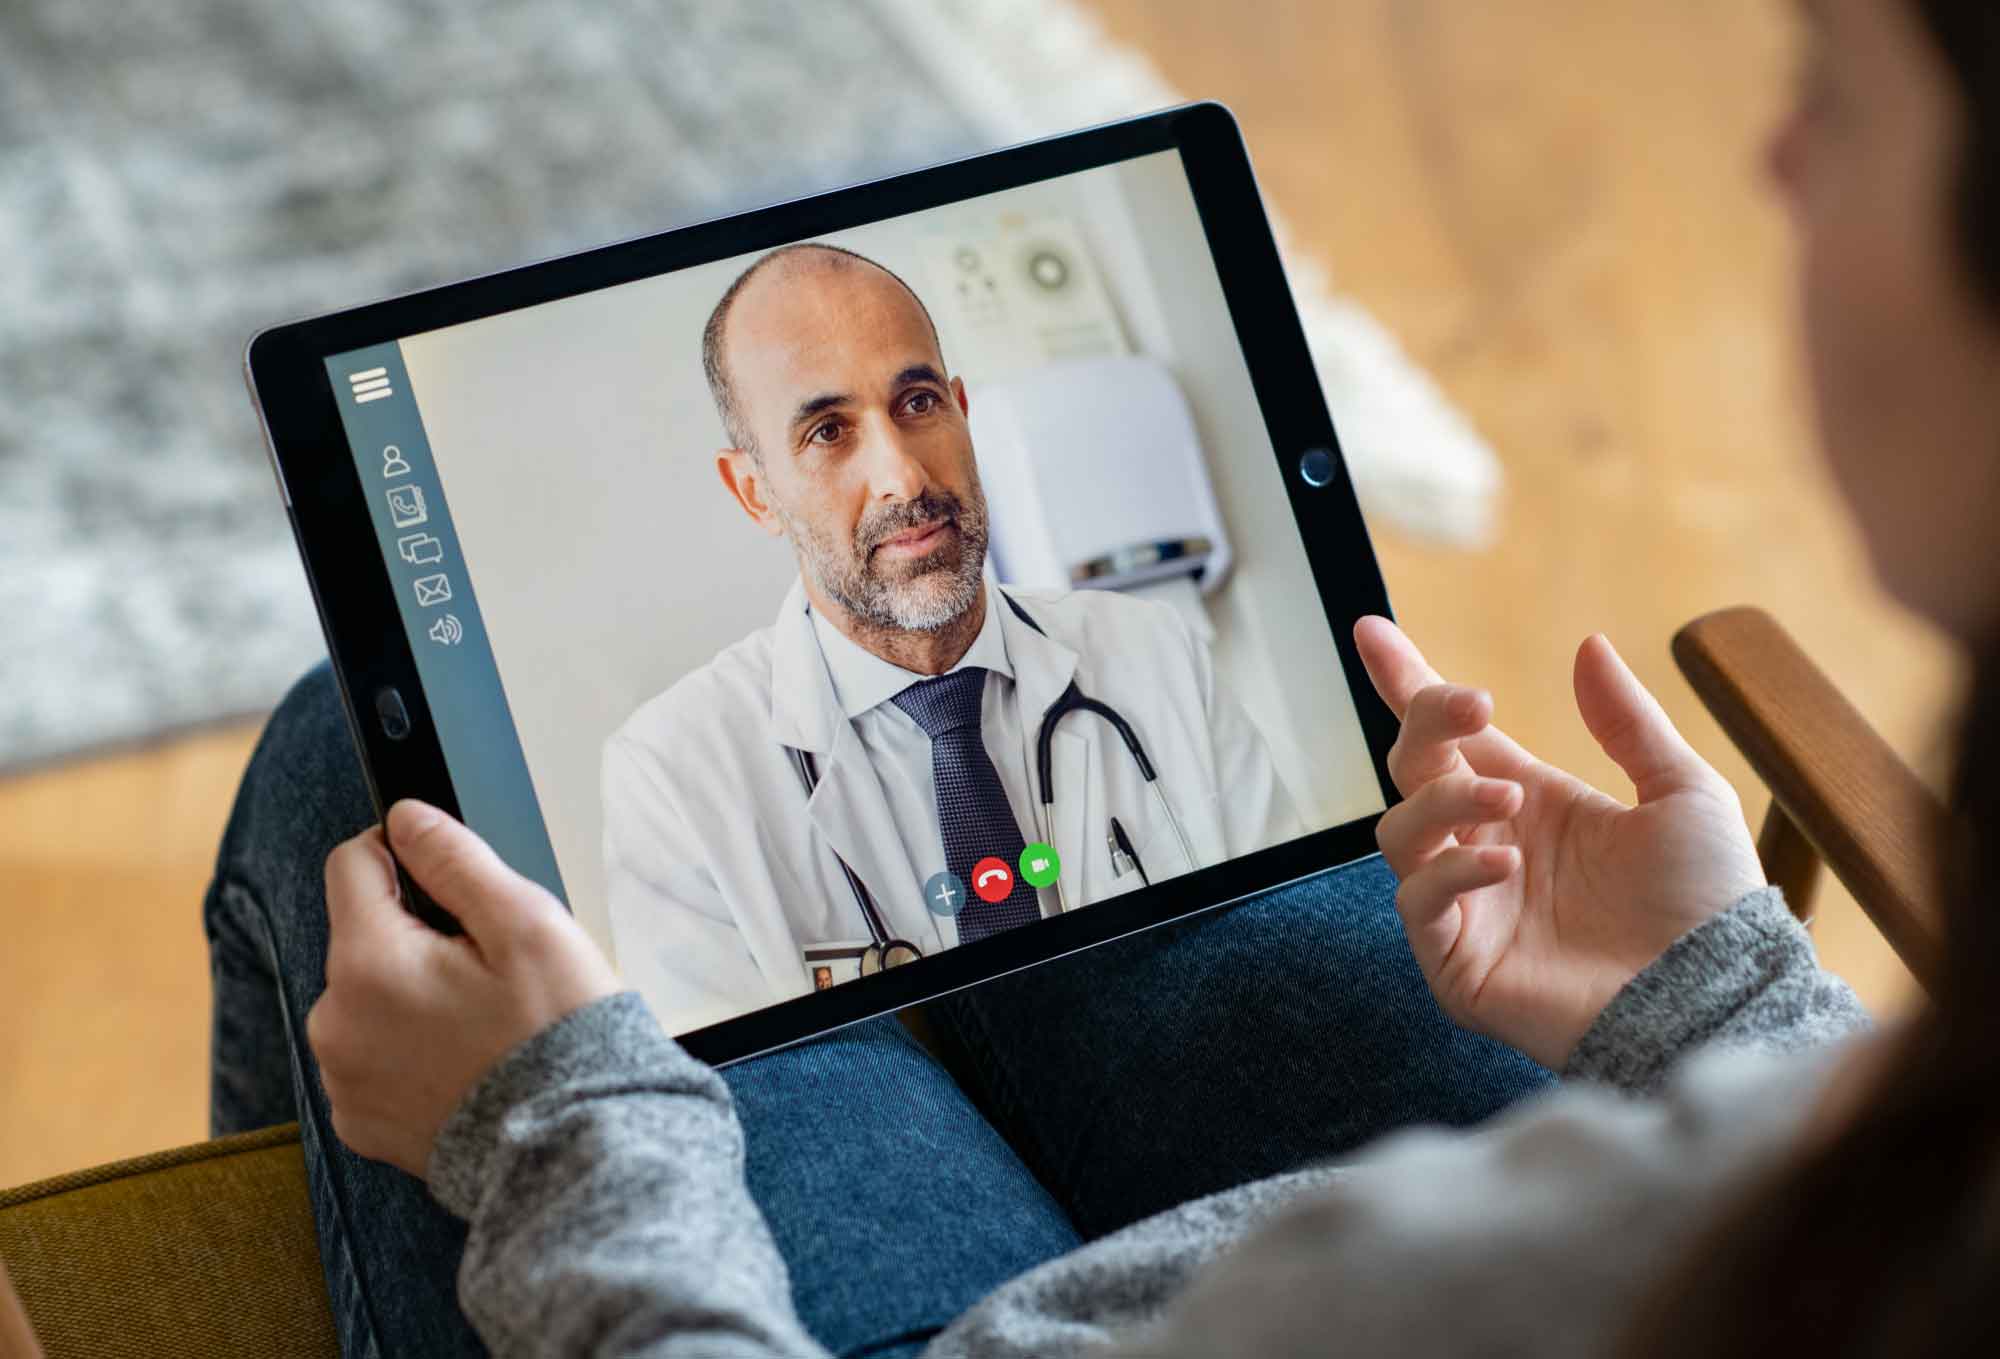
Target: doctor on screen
(859,783)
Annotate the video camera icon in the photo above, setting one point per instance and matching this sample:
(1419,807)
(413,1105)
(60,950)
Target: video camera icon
(448,631)
(1040,864)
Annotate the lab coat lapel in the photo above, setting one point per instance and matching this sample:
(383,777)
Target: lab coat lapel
(847,809)
(1043,667)
(1072,758)
(805,714)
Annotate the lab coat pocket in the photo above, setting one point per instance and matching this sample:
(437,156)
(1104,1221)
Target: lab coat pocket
(1155,853)
(1158,850)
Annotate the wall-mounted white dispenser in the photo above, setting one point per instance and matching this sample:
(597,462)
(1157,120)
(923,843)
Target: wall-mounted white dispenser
(1095,478)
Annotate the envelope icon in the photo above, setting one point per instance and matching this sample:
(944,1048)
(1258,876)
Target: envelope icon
(433,589)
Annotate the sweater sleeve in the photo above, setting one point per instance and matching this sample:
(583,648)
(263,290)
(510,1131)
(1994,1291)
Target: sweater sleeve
(1537,1230)
(600,1169)
(1746,980)
(1539,1233)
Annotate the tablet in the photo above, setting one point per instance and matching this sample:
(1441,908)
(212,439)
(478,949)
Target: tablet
(848,601)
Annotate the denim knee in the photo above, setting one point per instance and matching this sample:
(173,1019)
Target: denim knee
(303,791)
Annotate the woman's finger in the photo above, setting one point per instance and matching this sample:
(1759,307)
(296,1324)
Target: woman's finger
(1394,664)
(1631,726)
(362,894)
(463,874)
(1437,718)
(1399,671)
(1415,829)
(1433,889)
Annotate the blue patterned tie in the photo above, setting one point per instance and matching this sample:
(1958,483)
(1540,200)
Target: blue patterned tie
(973,811)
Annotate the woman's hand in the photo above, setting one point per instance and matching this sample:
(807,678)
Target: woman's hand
(1529,897)
(411,1019)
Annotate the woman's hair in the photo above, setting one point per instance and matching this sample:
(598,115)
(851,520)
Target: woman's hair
(1967,33)
(1883,1237)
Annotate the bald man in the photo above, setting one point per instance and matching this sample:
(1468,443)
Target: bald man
(854,785)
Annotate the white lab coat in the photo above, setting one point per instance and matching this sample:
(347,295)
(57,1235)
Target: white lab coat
(721,873)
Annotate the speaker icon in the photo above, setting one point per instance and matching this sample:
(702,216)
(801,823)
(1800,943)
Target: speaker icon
(448,631)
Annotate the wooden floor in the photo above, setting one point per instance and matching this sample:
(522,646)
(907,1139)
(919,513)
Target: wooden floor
(1554,203)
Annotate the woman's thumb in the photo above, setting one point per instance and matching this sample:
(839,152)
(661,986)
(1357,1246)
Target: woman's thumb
(1630,724)
(460,871)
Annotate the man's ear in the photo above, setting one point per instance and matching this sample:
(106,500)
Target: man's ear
(958,390)
(745,480)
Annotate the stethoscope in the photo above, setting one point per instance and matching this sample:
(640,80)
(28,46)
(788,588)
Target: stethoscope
(885,950)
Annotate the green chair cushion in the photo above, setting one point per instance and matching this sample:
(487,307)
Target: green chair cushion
(205,1250)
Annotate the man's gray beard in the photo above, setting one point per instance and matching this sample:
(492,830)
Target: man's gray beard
(928,602)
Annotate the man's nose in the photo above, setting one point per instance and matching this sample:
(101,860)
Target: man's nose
(894,472)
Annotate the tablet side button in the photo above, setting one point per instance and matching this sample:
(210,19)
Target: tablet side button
(395,717)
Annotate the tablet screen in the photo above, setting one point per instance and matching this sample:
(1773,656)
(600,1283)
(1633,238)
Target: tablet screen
(811,611)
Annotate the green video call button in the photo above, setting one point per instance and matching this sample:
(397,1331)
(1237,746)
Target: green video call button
(1040,864)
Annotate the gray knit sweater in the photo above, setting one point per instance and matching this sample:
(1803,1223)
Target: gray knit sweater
(600,1165)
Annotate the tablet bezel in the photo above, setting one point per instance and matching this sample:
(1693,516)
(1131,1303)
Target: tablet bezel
(369,647)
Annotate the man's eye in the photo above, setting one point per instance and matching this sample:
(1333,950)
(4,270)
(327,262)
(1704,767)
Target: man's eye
(923,403)
(825,433)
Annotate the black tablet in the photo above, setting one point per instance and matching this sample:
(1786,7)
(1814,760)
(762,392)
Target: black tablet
(848,601)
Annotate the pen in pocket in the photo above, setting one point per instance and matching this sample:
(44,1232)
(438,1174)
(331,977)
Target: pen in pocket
(1123,856)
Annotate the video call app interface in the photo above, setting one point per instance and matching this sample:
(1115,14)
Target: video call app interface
(847,603)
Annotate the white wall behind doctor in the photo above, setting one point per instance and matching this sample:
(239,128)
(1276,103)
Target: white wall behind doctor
(575,443)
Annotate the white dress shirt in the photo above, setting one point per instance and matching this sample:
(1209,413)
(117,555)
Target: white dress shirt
(900,751)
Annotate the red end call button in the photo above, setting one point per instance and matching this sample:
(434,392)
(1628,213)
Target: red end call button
(992,879)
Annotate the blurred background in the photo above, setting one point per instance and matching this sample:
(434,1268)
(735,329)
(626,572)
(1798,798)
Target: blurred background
(1546,287)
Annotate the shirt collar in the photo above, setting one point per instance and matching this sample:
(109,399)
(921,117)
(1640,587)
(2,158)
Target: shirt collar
(863,681)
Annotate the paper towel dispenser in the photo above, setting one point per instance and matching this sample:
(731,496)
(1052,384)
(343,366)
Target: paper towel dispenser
(1095,478)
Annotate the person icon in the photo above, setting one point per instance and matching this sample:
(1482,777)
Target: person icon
(394,464)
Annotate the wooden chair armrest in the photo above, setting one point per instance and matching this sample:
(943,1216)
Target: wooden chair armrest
(1830,774)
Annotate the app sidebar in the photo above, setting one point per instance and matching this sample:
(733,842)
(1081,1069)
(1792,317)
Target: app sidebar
(440,614)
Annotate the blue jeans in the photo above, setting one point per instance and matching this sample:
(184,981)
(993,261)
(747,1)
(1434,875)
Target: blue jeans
(1095,1090)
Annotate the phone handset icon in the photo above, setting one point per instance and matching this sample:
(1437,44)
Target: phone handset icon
(992,879)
